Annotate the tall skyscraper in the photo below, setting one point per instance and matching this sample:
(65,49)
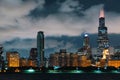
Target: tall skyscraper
(86,41)
(86,46)
(103,42)
(40,48)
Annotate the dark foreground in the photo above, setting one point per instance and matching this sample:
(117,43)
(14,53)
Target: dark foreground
(59,76)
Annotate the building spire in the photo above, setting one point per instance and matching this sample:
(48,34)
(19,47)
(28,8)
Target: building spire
(102,13)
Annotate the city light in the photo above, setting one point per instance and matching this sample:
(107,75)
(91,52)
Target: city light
(30,71)
(84,60)
(86,35)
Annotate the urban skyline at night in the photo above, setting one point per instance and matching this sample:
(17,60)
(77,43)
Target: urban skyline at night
(22,28)
(21,20)
(59,39)
(103,55)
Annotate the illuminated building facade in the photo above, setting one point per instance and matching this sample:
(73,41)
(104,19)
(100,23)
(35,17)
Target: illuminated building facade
(103,42)
(68,59)
(64,59)
(84,62)
(32,63)
(23,62)
(54,59)
(40,48)
(74,60)
(114,63)
(13,59)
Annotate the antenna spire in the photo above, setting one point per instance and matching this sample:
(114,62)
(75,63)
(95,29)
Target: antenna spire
(102,13)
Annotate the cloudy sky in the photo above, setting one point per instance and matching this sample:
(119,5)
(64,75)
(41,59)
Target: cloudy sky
(20,20)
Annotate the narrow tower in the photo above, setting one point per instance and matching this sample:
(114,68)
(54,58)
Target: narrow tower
(103,42)
(86,41)
(40,48)
(86,46)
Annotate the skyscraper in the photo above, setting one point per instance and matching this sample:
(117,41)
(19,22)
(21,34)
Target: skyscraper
(103,42)
(86,41)
(40,48)
(86,45)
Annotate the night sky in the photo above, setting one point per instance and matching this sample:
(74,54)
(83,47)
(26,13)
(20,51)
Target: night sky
(63,23)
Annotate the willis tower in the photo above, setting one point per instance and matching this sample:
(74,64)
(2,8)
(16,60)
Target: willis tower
(103,41)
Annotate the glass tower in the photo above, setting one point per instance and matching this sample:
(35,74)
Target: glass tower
(40,48)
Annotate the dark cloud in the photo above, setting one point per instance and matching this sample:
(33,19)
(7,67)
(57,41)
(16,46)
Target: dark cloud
(52,7)
(112,5)
(49,7)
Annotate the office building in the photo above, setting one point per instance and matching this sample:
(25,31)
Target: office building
(114,63)
(40,48)
(74,60)
(32,63)
(54,60)
(33,53)
(62,57)
(13,59)
(65,59)
(23,62)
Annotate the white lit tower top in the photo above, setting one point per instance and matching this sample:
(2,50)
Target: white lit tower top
(103,42)
(86,41)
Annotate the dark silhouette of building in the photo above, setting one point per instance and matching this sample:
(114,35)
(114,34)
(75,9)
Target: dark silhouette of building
(103,42)
(40,48)
(32,61)
(1,57)
(33,53)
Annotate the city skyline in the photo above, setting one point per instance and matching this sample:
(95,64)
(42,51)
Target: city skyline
(22,19)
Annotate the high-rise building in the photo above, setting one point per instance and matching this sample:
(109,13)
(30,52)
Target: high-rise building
(86,46)
(103,42)
(13,59)
(85,50)
(86,41)
(40,48)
